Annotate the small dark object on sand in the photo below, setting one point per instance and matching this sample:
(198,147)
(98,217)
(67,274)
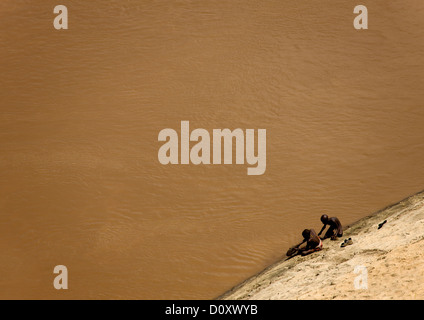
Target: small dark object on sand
(292,251)
(381,224)
(346,242)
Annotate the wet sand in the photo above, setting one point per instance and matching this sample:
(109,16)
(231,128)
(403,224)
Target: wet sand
(392,256)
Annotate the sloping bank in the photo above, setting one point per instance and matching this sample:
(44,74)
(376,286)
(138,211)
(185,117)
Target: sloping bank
(385,263)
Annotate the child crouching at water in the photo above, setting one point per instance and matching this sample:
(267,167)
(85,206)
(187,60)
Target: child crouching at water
(313,243)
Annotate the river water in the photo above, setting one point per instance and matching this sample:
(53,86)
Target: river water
(81,109)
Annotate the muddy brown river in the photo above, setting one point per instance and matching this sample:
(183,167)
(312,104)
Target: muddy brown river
(81,110)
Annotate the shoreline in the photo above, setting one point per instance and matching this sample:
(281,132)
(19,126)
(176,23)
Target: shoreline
(390,255)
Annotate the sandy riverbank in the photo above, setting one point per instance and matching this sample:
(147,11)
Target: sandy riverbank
(393,257)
